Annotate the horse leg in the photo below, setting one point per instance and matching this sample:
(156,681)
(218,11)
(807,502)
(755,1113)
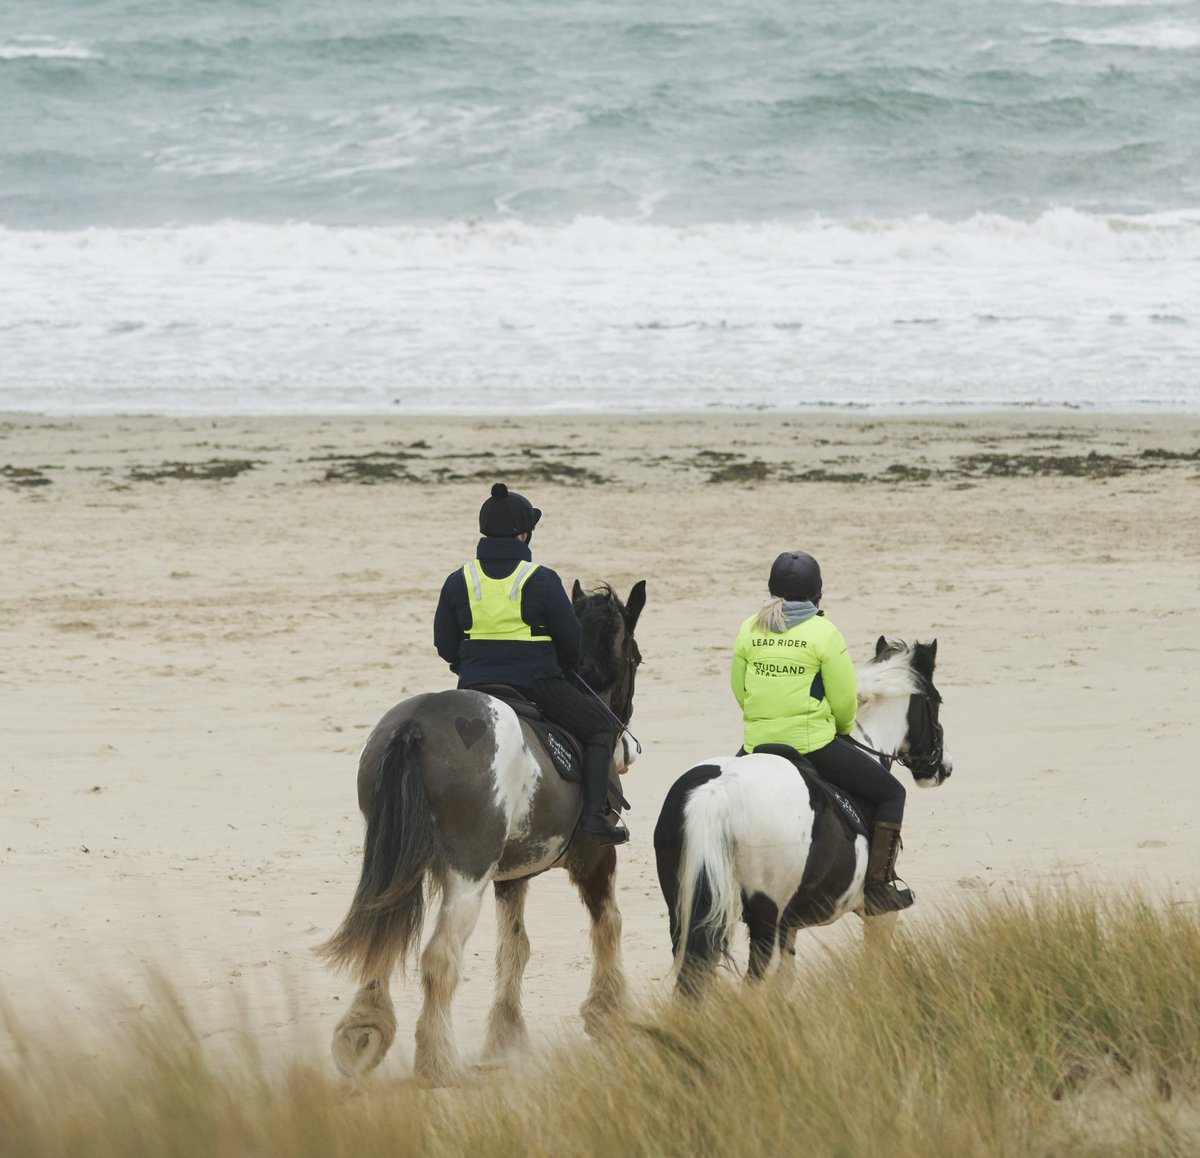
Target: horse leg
(506,1033)
(878,932)
(367,1031)
(436,1059)
(761,915)
(787,956)
(595,877)
(668,852)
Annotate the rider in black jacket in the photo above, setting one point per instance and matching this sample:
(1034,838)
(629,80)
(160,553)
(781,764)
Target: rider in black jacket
(503,619)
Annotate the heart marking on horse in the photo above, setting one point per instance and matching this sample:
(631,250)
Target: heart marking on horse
(470,732)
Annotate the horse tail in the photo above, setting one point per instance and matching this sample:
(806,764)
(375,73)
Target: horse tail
(709,904)
(401,852)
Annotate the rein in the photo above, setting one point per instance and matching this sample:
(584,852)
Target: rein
(621,724)
(885,758)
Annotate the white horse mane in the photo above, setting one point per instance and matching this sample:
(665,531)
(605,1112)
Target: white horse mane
(890,677)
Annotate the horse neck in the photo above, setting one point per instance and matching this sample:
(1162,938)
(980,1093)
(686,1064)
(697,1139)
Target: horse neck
(884,715)
(603,660)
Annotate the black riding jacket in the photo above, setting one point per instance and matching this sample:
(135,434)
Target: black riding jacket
(544,606)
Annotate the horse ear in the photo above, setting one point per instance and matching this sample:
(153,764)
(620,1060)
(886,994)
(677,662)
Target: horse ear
(933,650)
(634,604)
(576,592)
(881,645)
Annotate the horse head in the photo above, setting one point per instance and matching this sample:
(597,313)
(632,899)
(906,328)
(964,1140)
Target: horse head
(609,655)
(923,749)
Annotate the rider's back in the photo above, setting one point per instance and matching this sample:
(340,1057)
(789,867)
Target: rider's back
(795,687)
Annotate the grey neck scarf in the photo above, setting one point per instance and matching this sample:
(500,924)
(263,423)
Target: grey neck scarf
(797,611)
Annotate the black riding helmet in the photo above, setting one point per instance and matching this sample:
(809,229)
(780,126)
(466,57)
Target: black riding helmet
(795,575)
(507,514)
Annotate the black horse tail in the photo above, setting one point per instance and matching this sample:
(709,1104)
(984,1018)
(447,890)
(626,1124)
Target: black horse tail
(401,853)
(694,846)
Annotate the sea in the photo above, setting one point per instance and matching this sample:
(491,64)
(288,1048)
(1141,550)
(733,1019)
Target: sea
(514,206)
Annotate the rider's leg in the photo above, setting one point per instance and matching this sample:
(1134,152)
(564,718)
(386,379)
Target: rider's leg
(565,705)
(854,771)
(881,893)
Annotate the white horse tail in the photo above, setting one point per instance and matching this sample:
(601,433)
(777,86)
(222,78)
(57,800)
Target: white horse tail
(709,904)
(402,854)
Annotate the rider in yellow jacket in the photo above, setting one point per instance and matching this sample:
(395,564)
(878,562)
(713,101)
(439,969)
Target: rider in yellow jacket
(793,679)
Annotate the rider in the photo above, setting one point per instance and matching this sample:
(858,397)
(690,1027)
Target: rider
(503,619)
(796,685)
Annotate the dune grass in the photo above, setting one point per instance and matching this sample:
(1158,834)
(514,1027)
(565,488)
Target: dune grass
(1064,1025)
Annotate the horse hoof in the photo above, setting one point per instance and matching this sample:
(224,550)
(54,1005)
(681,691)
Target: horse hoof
(358,1049)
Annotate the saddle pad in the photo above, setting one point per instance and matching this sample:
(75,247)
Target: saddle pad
(561,747)
(567,755)
(849,808)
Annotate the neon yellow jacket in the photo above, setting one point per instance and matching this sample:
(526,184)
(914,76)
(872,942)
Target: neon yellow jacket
(795,687)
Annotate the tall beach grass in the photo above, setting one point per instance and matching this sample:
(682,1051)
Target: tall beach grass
(1046,1026)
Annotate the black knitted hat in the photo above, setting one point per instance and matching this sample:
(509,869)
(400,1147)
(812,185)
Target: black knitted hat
(507,514)
(795,575)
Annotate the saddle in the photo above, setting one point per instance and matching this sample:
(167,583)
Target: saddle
(855,812)
(564,749)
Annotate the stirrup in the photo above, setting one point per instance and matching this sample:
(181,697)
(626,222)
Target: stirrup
(887,897)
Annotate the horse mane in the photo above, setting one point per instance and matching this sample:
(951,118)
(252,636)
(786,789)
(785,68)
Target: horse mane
(901,669)
(890,674)
(601,613)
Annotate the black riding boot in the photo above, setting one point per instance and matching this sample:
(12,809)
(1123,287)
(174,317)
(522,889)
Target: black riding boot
(595,822)
(881,894)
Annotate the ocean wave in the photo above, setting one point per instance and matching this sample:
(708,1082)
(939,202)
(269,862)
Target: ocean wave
(201,112)
(44,48)
(1067,307)
(1061,235)
(1166,37)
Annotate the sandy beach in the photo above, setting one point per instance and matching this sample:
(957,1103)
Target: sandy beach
(201,619)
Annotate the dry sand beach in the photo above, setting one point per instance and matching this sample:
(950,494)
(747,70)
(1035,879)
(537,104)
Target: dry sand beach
(202,619)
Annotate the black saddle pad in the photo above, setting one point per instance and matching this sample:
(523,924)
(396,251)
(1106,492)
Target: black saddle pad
(850,807)
(564,748)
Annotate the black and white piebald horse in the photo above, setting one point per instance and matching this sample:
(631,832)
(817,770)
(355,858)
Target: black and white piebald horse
(458,794)
(757,839)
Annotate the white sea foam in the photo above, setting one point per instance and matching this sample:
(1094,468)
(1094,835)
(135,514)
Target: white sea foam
(44,48)
(993,239)
(1159,35)
(1068,308)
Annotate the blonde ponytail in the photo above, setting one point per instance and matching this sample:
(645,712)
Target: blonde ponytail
(770,618)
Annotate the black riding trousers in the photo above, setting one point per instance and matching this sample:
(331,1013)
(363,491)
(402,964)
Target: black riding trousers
(564,704)
(852,770)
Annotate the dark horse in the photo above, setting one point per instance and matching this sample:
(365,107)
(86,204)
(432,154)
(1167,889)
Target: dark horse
(458,792)
(756,839)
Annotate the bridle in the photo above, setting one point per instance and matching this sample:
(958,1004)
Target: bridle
(926,748)
(622,692)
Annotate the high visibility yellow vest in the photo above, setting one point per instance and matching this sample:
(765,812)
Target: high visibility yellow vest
(496,604)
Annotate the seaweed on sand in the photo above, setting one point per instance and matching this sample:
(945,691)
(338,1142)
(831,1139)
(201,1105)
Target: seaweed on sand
(212,469)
